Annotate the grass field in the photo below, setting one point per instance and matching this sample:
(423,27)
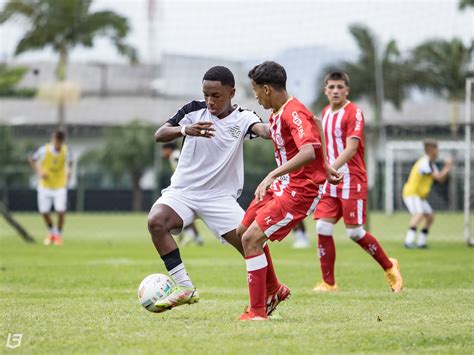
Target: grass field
(81,297)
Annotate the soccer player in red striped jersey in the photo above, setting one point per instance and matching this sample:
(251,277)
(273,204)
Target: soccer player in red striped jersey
(343,125)
(288,194)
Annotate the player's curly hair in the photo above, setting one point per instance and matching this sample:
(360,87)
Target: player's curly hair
(269,73)
(222,74)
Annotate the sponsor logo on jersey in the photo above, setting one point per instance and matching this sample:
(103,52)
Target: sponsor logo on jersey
(299,124)
(358,120)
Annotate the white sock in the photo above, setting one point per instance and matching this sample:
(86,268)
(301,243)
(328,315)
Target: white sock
(180,275)
(300,235)
(55,231)
(422,239)
(410,237)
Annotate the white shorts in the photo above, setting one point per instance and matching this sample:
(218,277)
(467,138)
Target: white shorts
(220,214)
(48,197)
(417,205)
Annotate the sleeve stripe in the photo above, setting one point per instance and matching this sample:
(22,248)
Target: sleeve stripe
(188,108)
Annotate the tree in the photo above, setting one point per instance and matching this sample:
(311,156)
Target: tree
(10,77)
(443,64)
(128,150)
(463,4)
(63,25)
(375,71)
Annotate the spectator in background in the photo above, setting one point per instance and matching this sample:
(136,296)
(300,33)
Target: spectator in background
(416,191)
(53,164)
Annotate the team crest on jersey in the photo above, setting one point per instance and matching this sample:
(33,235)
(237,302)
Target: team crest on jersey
(338,132)
(279,140)
(235,131)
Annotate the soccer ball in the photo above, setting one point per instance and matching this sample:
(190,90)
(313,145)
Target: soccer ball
(154,287)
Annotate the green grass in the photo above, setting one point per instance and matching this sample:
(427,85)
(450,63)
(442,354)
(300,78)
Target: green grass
(81,297)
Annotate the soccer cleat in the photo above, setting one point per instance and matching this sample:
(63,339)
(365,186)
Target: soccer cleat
(325,287)
(251,314)
(410,246)
(198,240)
(179,296)
(422,246)
(274,300)
(49,240)
(57,240)
(394,277)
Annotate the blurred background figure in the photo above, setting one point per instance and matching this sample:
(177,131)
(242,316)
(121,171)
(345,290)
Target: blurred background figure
(301,240)
(52,163)
(190,233)
(418,187)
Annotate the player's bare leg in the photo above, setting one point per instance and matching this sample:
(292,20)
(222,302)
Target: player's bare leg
(161,220)
(49,223)
(327,254)
(429,218)
(372,246)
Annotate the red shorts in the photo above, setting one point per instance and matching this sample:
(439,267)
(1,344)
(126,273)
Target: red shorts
(277,215)
(352,211)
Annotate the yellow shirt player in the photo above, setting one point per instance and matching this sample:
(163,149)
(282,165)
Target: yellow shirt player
(417,189)
(52,163)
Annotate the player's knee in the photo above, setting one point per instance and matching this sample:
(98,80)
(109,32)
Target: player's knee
(241,230)
(324,228)
(355,233)
(156,224)
(429,217)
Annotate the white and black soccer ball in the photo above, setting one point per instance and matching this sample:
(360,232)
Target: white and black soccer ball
(154,287)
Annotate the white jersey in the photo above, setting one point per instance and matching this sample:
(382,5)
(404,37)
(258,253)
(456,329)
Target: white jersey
(212,167)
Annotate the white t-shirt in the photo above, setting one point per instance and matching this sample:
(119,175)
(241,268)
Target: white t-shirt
(212,167)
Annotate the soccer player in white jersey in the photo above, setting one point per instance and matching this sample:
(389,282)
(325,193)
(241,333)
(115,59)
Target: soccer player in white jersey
(170,152)
(208,178)
(343,124)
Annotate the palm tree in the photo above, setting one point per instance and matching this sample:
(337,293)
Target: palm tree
(377,75)
(444,64)
(463,4)
(63,25)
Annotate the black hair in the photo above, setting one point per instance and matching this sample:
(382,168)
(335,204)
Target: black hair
(59,135)
(337,75)
(222,74)
(269,73)
(169,145)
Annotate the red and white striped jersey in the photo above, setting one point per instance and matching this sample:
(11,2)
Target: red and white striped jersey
(338,126)
(292,127)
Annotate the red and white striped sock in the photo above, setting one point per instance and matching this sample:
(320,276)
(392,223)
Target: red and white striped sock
(371,245)
(272,281)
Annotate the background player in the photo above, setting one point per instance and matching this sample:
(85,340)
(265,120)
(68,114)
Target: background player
(208,178)
(301,240)
(294,186)
(343,124)
(52,163)
(417,189)
(170,152)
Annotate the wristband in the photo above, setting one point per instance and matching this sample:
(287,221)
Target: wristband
(183,130)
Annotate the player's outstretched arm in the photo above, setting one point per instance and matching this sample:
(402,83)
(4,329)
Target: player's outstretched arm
(168,132)
(303,157)
(441,176)
(352,144)
(262,130)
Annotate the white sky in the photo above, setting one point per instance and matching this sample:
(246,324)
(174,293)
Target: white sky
(243,29)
